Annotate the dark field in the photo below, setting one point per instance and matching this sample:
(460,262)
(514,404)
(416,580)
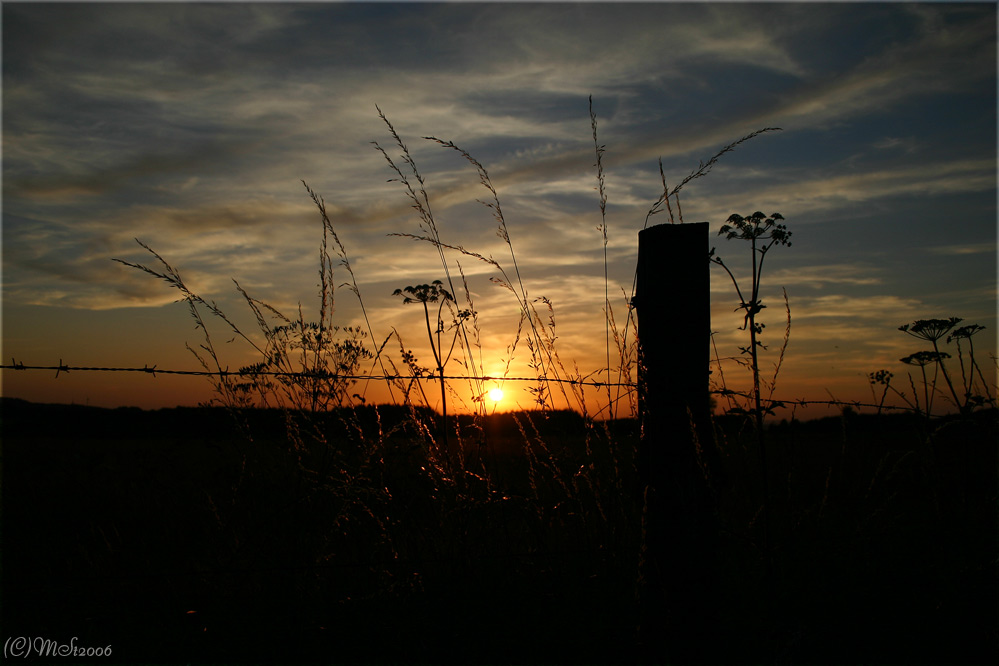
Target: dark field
(188,535)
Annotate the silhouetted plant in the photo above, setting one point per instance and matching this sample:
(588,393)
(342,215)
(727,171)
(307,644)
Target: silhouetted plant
(326,276)
(430,233)
(544,358)
(599,151)
(312,367)
(932,330)
(220,379)
(304,359)
(883,378)
(968,377)
(763,233)
(436,293)
(921,360)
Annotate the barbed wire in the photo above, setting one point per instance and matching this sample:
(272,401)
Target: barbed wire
(801,402)
(154,370)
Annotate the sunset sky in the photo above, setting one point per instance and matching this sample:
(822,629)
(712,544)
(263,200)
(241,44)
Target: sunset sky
(190,127)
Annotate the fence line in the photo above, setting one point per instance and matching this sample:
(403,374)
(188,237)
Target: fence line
(771,403)
(14,365)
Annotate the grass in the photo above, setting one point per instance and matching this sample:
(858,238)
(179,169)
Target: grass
(881,540)
(270,542)
(292,521)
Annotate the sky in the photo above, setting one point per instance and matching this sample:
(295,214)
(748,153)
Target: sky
(191,127)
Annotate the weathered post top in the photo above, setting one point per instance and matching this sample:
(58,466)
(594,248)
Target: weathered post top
(672,295)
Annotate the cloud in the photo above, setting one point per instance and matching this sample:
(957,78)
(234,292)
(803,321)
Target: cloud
(865,307)
(907,144)
(90,181)
(819,277)
(795,195)
(936,61)
(962,250)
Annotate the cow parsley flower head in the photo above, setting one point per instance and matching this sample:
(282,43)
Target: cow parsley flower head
(930,330)
(924,358)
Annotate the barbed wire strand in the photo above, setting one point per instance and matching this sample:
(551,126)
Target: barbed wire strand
(274,373)
(772,403)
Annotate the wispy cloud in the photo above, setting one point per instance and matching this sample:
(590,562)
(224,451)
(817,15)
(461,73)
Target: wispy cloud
(836,190)
(960,250)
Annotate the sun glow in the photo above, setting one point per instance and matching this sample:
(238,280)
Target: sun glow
(496,394)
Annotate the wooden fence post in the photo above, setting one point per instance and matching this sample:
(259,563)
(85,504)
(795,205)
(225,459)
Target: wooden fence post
(677,574)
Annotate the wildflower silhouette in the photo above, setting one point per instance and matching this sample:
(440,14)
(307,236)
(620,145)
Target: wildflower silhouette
(763,233)
(922,359)
(436,293)
(932,330)
(882,377)
(966,333)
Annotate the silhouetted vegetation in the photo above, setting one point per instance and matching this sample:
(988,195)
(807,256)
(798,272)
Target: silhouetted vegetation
(174,537)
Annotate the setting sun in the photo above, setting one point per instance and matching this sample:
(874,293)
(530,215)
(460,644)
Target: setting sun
(496,394)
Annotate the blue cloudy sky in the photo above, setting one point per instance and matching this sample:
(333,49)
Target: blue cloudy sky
(190,127)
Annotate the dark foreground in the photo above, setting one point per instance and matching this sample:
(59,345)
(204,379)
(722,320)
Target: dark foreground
(171,536)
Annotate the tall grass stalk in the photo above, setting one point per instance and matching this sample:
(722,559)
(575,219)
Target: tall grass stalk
(221,382)
(329,230)
(544,356)
(599,150)
(780,355)
(428,225)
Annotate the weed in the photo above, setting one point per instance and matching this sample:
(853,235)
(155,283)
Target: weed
(921,360)
(932,330)
(433,293)
(599,150)
(763,233)
(882,378)
(968,377)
